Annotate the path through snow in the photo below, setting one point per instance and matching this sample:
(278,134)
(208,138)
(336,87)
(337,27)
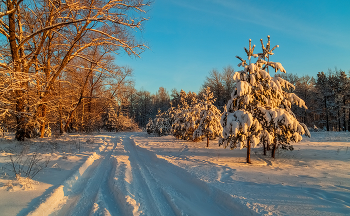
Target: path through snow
(124,179)
(137,174)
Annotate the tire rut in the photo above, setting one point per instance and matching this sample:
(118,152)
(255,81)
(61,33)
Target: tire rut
(93,193)
(130,180)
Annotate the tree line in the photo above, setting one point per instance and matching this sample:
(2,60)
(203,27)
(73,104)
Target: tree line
(326,96)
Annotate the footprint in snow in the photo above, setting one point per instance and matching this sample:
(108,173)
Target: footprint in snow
(225,175)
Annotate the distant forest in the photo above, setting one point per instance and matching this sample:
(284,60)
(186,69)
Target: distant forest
(86,105)
(327,97)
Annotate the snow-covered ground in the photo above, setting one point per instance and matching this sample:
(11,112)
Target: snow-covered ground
(137,174)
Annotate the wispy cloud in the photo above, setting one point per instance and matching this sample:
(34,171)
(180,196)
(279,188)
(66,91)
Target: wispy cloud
(245,11)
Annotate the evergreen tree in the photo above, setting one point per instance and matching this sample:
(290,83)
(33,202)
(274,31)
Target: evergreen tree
(109,119)
(326,95)
(186,117)
(260,107)
(344,97)
(178,128)
(209,119)
(149,126)
(161,124)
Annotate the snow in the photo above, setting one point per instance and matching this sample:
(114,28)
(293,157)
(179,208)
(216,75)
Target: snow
(243,88)
(269,105)
(136,174)
(277,66)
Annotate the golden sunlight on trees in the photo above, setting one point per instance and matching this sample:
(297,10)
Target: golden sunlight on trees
(46,42)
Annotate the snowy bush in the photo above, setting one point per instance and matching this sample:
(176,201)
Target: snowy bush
(208,124)
(32,129)
(259,110)
(25,160)
(124,123)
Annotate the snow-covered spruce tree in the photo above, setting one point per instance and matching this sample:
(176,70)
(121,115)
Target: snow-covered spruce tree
(209,118)
(109,118)
(167,121)
(186,119)
(177,126)
(161,125)
(171,116)
(149,126)
(260,107)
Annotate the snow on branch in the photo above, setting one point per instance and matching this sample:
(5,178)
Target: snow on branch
(259,110)
(283,83)
(277,66)
(293,98)
(243,88)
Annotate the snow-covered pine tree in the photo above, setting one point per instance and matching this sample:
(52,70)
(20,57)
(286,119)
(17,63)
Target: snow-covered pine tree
(171,116)
(180,117)
(149,126)
(209,119)
(260,107)
(109,118)
(167,121)
(186,118)
(160,126)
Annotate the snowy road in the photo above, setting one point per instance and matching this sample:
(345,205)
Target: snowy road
(125,179)
(133,173)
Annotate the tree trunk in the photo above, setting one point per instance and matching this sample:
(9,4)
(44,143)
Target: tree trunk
(339,125)
(60,116)
(325,106)
(264,144)
(20,104)
(305,113)
(349,120)
(42,129)
(207,140)
(43,120)
(70,118)
(248,151)
(61,125)
(273,154)
(344,114)
(20,127)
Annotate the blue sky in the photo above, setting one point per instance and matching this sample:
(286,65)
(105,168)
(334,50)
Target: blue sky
(189,38)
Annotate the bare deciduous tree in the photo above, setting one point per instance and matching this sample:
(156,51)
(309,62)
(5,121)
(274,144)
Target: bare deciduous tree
(44,37)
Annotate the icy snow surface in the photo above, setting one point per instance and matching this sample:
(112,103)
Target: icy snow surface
(137,174)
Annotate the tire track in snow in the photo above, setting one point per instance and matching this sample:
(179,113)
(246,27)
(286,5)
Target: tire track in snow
(53,201)
(122,182)
(88,193)
(167,189)
(143,187)
(129,180)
